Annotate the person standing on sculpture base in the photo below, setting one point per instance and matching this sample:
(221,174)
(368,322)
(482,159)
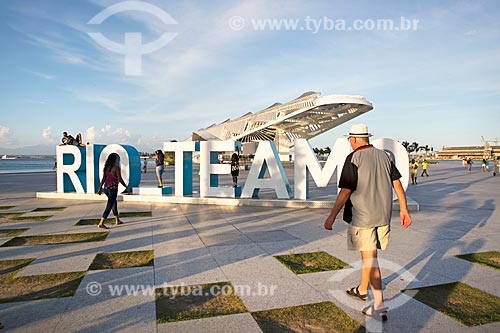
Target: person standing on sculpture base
(235,168)
(160,167)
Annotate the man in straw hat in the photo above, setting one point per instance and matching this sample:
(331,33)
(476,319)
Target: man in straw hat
(366,184)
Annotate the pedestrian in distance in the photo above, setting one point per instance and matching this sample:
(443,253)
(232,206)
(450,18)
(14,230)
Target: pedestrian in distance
(469,164)
(366,184)
(496,166)
(111,177)
(160,166)
(145,165)
(424,168)
(413,171)
(235,168)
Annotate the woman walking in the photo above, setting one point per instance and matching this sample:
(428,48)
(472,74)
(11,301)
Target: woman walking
(111,176)
(235,168)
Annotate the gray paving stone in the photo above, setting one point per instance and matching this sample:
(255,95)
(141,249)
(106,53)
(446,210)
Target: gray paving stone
(59,264)
(228,238)
(228,254)
(493,327)
(268,274)
(241,323)
(180,255)
(105,312)
(33,316)
(414,316)
(282,247)
(483,278)
(176,248)
(188,272)
(269,236)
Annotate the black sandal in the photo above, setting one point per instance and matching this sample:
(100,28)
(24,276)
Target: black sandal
(379,314)
(102,226)
(354,292)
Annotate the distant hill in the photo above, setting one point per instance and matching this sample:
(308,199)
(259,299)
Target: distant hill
(30,150)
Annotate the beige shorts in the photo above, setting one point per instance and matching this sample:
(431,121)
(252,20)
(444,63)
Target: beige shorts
(367,239)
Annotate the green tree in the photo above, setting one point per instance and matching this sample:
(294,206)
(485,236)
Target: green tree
(414,147)
(424,148)
(406,144)
(170,156)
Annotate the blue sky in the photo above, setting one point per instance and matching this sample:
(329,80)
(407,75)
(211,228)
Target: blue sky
(437,85)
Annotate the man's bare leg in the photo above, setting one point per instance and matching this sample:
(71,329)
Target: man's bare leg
(370,275)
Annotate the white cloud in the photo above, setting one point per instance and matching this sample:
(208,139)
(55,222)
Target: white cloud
(90,134)
(204,40)
(108,135)
(471,33)
(41,75)
(4,132)
(7,138)
(48,135)
(199,46)
(97,97)
(32,101)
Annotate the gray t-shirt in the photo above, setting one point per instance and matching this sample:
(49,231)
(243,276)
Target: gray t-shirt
(369,173)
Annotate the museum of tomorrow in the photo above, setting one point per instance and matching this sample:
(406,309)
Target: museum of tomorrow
(302,118)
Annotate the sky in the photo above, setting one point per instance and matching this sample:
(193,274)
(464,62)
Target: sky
(437,84)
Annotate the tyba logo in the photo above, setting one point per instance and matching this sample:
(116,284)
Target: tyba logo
(133,49)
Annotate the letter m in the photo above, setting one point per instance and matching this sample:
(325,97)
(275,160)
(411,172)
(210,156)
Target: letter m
(307,164)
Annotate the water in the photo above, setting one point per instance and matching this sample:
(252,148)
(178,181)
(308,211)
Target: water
(27,164)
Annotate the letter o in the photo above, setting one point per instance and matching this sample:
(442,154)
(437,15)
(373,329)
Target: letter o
(129,163)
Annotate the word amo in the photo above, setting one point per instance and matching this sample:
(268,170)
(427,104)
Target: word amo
(80,168)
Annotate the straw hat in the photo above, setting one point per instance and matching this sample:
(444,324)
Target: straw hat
(359,131)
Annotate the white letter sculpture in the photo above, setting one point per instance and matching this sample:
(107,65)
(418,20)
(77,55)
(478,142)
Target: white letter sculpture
(129,164)
(398,155)
(266,157)
(306,163)
(183,152)
(70,169)
(210,168)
